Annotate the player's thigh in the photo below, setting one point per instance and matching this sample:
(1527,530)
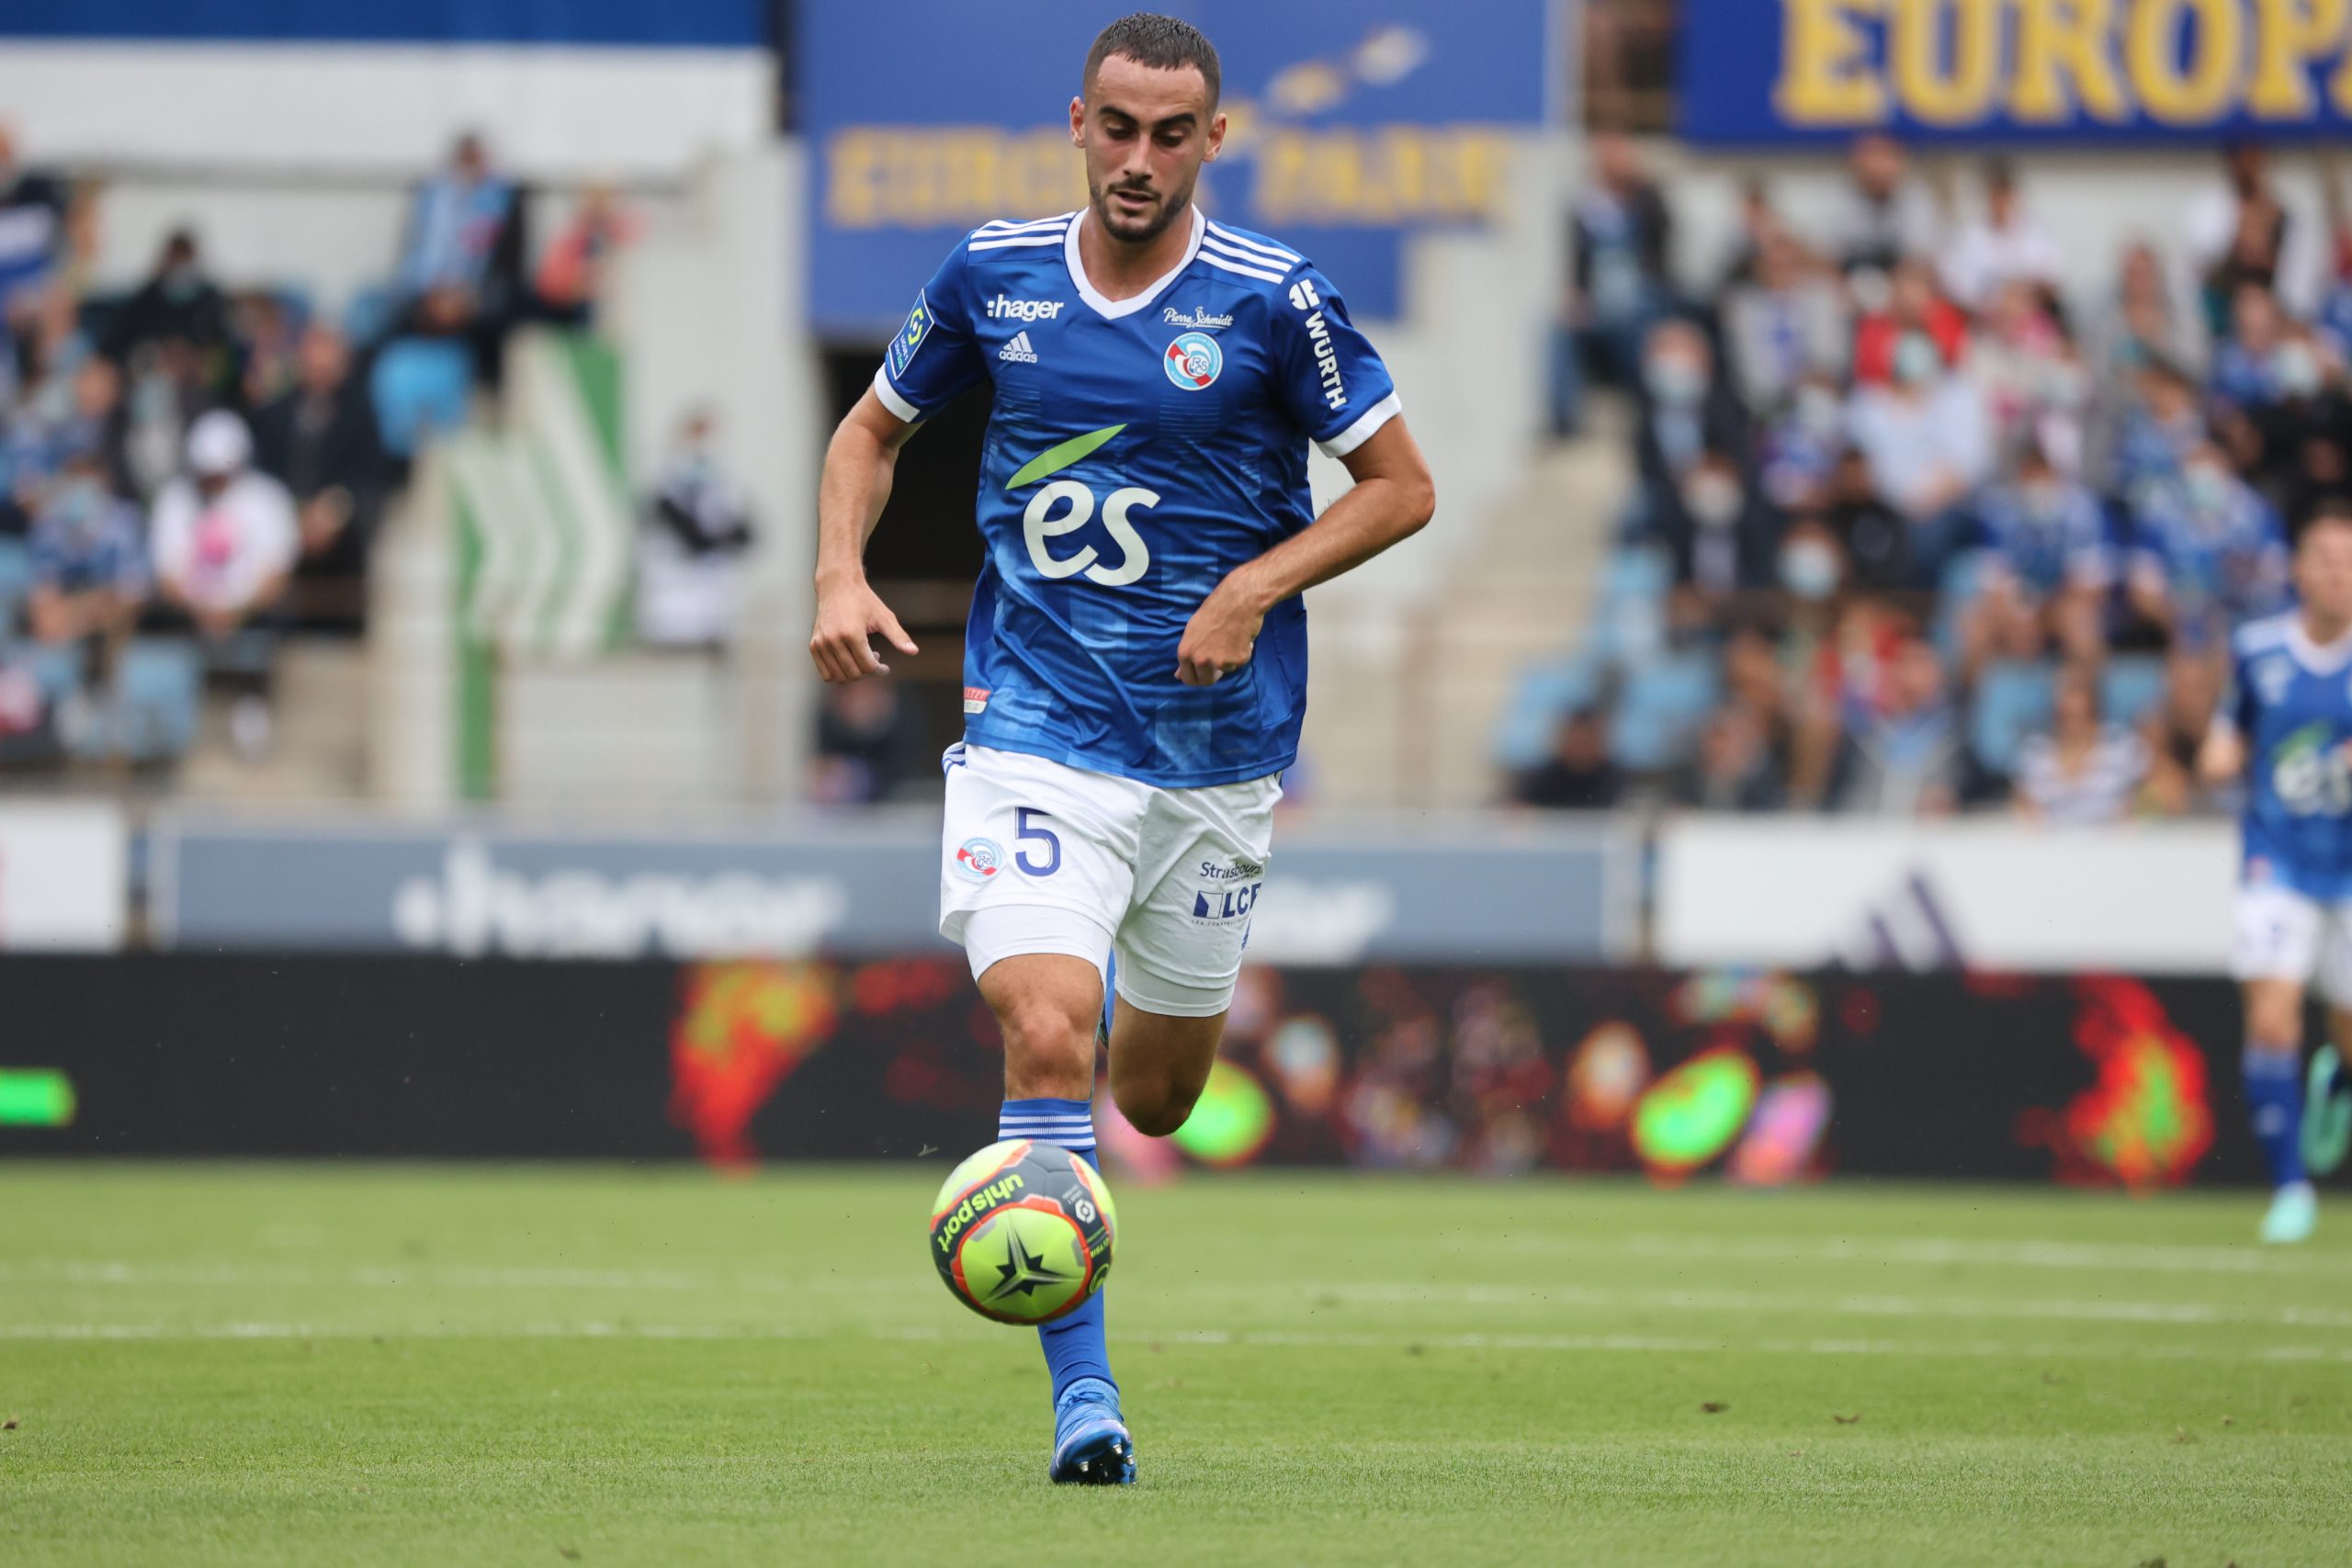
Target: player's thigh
(1046,1006)
(1159,1065)
(2275,952)
(1020,833)
(1203,865)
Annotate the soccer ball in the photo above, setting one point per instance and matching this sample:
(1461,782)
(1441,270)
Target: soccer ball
(1022,1232)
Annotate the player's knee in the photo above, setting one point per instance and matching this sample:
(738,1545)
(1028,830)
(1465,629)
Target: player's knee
(1154,1110)
(1046,1051)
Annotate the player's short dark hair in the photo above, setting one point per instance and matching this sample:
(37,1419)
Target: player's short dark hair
(2334,510)
(1162,43)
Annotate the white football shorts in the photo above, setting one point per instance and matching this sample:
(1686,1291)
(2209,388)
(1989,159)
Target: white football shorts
(1040,857)
(2286,935)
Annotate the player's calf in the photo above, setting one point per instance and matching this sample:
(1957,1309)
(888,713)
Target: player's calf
(1160,1065)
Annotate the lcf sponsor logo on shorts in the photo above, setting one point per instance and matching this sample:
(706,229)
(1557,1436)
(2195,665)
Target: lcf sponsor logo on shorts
(1232,892)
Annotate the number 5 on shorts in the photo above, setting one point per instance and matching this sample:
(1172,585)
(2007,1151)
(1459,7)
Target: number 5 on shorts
(1024,827)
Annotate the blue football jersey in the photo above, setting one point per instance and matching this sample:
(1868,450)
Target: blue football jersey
(1140,449)
(2291,701)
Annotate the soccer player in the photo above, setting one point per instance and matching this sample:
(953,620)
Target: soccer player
(1134,668)
(2289,727)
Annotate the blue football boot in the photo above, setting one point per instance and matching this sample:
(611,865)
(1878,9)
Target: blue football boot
(1090,1443)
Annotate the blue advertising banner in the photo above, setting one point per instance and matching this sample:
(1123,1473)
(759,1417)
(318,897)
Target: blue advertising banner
(698,24)
(1350,122)
(2054,72)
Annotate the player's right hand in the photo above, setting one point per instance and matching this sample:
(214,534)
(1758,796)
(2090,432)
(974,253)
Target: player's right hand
(849,617)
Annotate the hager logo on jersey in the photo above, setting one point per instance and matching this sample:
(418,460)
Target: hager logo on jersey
(1193,361)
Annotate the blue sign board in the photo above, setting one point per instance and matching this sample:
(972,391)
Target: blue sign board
(1351,123)
(1757,73)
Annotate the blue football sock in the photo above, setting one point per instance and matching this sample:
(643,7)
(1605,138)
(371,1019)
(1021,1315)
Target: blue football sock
(1074,1346)
(2274,1094)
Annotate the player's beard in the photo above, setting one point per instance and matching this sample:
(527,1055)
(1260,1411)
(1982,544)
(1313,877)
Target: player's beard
(1131,233)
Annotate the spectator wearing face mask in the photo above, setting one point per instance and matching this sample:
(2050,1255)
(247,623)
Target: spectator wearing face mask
(89,567)
(1723,538)
(2047,568)
(1874,537)
(1914,307)
(1929,446)
(2310,419)
(2240,232)
(178,303)
(1687,411)
(2208,554)
(690,579)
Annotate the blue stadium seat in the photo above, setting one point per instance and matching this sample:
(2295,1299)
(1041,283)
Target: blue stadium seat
(16,582)
(1540,698)
(1662,707)
(370,314)
(420,385)
(160,684)
(1629,623)
(2013,701)
(2131,688)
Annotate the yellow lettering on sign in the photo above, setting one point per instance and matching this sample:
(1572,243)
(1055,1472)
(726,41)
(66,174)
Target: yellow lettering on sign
(2205,87)
(909,177)
(2065,61)
(1825,72)
(1932,91)
(2291,35)
(1394,174)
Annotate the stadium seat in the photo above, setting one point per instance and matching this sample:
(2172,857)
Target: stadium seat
(1630,623)
(1664,702)
(370,314)
(2013,701)
(1540,698)
(2131,688)
(16,581)
(161,681)
(420,385)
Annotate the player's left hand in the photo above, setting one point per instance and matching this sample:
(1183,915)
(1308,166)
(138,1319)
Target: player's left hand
(1220,637)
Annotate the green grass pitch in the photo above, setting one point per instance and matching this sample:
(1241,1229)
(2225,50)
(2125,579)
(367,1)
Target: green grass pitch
(336,1365)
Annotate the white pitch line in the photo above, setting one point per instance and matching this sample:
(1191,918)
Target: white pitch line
(2105,1257)
(1993,1349)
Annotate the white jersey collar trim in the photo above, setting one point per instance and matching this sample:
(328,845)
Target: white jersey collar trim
(2320,658)
(1113,309)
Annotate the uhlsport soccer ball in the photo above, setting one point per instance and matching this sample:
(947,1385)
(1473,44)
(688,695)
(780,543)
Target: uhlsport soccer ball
(1022,1232)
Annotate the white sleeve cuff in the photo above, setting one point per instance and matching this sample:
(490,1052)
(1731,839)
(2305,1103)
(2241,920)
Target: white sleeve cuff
(891,399)
(1364,429)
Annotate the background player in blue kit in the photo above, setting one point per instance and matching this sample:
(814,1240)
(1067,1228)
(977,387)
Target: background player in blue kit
(2289,727)
(1135,667)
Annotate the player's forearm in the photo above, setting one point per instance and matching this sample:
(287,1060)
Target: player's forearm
(859,467)
(1379,512)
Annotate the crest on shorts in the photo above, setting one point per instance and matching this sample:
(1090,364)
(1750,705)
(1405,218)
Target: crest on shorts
(979,860)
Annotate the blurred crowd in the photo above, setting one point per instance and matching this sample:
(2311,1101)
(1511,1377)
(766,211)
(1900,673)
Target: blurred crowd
(193,468)
(1917,530)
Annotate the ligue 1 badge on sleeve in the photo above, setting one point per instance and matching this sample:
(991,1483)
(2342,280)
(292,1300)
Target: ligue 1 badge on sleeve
(1193,361)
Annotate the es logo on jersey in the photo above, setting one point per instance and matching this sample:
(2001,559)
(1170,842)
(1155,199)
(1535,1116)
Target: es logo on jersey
(1193,361)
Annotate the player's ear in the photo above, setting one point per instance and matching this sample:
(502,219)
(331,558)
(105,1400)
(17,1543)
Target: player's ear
(1078,122)
(1217,134)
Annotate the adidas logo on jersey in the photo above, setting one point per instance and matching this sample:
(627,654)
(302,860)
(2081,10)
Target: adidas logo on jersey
(1018,352)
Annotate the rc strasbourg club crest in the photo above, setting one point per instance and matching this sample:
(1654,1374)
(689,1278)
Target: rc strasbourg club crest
(980,859)
(1193,361)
